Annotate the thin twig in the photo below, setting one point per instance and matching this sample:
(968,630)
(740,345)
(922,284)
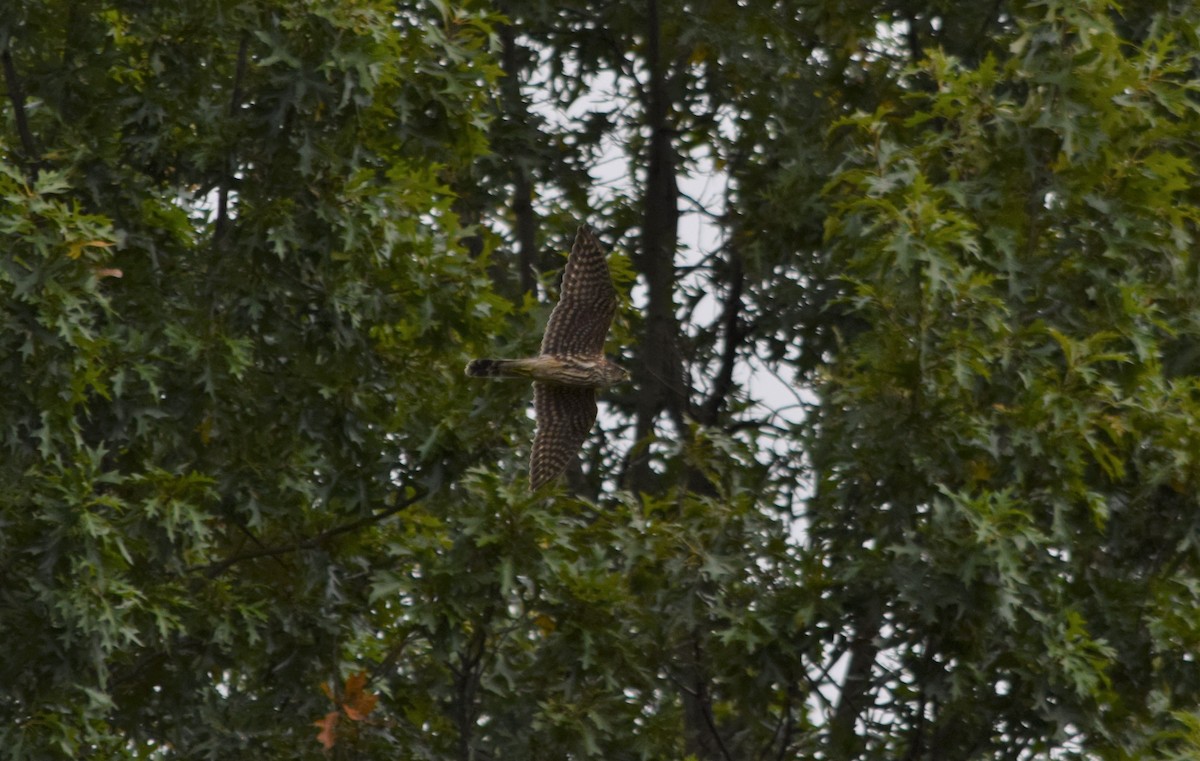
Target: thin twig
(212,570)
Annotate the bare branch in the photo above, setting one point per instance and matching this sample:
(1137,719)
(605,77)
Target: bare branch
(212,570)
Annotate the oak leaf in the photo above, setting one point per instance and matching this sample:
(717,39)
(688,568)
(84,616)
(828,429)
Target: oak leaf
(328,734)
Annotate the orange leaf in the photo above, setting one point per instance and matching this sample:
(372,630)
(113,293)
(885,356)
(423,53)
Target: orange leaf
(103,272)
(362,705)
(354,686)
(355,700)
(328,734)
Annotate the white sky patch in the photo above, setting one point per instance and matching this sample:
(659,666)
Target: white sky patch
(773,397)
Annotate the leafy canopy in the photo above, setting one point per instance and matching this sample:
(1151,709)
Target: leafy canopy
(251,508)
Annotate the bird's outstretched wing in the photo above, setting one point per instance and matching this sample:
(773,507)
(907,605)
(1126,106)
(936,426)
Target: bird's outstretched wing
(586,303)
(565,414)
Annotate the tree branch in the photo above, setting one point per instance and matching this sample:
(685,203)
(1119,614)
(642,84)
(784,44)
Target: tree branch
(659,374)
(212,570)
(512,102)
(235,100)
(783,728)
(467,685)
(734,333)
(704,705)
(17,95)
(844,743)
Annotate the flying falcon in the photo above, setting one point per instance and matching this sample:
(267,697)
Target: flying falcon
(571,366)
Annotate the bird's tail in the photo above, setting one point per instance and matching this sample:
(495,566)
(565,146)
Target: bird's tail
(494,368)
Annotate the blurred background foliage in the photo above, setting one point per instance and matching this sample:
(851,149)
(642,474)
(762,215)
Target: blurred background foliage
(908,468)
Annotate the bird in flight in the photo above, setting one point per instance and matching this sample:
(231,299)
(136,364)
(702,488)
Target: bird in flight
(571,366)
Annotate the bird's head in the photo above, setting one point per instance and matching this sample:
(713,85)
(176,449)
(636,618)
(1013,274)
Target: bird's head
(612,373)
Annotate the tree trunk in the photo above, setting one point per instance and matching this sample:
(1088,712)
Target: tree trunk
(844,742)
(515,111)
(659,372)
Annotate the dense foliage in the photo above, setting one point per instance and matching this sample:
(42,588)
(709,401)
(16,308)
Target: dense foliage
(909,465)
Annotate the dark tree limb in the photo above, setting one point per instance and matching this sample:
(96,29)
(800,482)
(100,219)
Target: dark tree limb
(212,570)
(17,95)
(789,724)
(844,742)
(705,703)
(515,109)
(466,685)
(702,738)
(659,374)
(734,333)
(235,102)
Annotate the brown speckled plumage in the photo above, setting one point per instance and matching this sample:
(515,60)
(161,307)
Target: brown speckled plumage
(586,302)
(571,365)
(565,414)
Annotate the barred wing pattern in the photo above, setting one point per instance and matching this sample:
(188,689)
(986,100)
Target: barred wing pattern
(571,366)
(586,304)
(565,414)
(577,327)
